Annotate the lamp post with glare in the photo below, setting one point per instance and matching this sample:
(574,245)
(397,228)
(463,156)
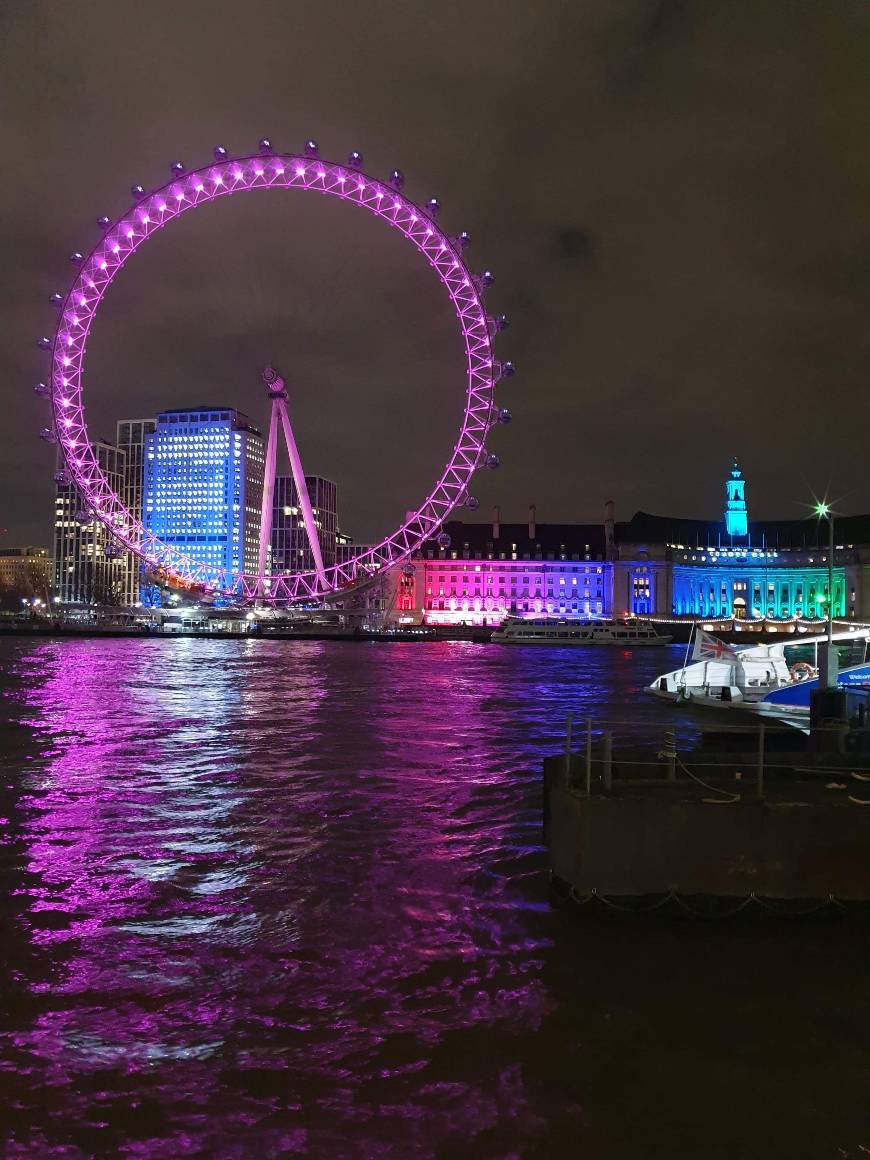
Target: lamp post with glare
(829,670)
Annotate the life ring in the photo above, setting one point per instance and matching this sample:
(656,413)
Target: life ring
(802,671)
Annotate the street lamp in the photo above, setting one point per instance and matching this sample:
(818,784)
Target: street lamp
(828,671)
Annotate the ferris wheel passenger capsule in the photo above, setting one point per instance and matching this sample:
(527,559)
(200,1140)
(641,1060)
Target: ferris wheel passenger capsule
(47,433)
(265,146)
(507,369)
(138,191)
(397,179)
(62,479)
(492,461)
(487,278)
(104,222)
(355,159)
(502,322)
(56,299)
(444,541)
(42,389)
(77,257)
(504,415)
(433,207)
(472,503)
(407,569)
(44,343)
(464,240)
(219,153)
(312,149)
(177,167)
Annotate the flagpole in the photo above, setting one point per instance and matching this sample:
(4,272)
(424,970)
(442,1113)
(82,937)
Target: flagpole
(688,646)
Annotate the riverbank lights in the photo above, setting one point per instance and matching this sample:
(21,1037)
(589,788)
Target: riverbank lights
(823,509)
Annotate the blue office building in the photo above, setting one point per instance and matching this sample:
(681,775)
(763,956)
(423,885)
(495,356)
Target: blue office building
(203,487)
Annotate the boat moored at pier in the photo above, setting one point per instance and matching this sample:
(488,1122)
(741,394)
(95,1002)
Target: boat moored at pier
(774,678)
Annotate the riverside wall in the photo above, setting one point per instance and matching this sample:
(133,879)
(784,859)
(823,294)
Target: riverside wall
(660,840)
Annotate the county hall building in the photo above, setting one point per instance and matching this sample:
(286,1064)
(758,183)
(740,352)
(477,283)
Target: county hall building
(648,565)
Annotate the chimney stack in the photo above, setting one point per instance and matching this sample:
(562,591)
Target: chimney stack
(609,536)
(533,525)
(496,522)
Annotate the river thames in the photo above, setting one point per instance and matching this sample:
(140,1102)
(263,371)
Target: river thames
(265,898)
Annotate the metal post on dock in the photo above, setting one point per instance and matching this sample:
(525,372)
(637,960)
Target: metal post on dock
(568,750)
(670,755)
(760,784)
(588,756)
(608,761)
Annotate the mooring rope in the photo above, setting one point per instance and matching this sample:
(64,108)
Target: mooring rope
(780,907)
(728,797)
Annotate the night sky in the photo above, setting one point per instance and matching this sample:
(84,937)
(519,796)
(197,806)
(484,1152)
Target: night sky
(674,197)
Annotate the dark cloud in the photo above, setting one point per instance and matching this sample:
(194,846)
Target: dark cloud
(575,244)
(701,167)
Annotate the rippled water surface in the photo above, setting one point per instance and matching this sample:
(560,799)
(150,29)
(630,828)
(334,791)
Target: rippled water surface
(260,898)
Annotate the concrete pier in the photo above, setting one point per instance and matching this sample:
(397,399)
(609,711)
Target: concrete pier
(802,837)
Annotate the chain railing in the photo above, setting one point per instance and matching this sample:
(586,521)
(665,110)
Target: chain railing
(753,760)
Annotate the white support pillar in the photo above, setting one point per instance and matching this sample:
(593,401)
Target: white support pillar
(301,489)
(266,511)
(278,395)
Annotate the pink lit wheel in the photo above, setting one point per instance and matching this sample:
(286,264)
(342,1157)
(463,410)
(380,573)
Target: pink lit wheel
(267,170)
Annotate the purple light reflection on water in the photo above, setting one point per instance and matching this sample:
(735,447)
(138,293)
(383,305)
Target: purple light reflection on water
(261,839)
(266,897)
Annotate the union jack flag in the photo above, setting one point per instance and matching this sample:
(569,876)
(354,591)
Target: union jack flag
(708,648)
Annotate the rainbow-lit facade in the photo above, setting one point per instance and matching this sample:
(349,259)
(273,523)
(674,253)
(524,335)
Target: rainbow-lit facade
(648,565)
(489,571)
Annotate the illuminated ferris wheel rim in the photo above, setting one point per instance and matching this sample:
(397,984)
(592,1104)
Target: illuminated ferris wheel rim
(268,170)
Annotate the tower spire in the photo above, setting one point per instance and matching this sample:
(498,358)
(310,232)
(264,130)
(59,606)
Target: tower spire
(736,518)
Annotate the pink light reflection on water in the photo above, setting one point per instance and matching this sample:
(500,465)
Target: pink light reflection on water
(236,862)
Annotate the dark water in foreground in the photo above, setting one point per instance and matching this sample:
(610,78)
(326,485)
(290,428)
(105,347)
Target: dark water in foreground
(262,898)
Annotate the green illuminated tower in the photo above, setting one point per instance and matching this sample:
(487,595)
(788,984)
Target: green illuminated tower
(735,508)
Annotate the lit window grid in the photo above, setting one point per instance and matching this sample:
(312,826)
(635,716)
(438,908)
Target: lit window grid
(83,572)
(290,548)
(203,488)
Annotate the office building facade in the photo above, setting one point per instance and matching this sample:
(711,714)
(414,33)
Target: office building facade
(290,548)
(203,487)
(27,571)
(89,567)
(131,438)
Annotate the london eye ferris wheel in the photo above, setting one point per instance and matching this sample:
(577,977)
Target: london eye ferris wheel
(270,169)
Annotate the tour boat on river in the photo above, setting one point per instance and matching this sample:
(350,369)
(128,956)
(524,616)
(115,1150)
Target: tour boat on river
(622,633)
(774,679)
